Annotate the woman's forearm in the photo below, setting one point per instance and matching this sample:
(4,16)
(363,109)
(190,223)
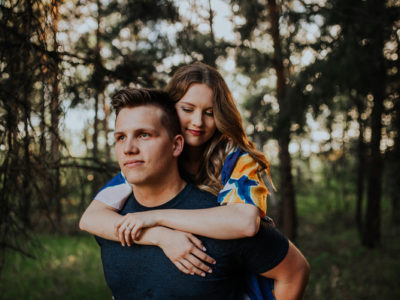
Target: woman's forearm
(99,219)
(230,221)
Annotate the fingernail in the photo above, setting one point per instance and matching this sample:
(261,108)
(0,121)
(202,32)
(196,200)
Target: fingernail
(214,262)
(192,273)
(203,274)
(210,271)
(204,248)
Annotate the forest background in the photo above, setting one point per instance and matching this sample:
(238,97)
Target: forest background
(317,83)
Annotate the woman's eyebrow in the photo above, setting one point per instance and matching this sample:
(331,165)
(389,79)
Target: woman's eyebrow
(185,102)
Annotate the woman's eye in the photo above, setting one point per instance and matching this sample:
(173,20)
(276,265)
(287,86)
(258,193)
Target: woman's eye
(120,138)
(209,113)
(185,109)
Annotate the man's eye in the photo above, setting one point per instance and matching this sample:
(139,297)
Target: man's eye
(120,138)
(144,135)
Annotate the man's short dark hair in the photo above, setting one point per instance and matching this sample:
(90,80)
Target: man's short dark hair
(134,97)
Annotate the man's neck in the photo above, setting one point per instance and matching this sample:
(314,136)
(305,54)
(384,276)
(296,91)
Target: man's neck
(152,195)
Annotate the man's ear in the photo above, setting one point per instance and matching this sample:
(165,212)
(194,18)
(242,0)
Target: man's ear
(178,143)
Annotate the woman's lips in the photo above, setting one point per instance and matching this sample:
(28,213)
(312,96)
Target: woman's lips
(195,132)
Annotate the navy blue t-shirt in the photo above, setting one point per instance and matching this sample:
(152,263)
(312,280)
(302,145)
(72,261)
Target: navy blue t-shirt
(145,272)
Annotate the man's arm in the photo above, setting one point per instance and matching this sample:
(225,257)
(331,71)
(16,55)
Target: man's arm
(271,254)
(291,275)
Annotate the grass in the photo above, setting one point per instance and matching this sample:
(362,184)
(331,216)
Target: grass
(66,267)
(340,267)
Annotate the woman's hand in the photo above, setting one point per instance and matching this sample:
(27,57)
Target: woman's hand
(186,252)
(129,227)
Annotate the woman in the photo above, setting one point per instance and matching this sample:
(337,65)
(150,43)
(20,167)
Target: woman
(217,157)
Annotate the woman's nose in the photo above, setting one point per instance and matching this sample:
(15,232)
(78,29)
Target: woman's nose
(197,119)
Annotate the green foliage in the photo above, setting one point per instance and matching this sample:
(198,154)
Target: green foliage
(64,268)
(340,267)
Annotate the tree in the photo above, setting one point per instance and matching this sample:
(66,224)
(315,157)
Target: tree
(361,31)
(26,69)
(255,58)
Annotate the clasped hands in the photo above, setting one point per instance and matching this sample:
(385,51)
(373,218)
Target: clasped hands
(184,250)
(131,225)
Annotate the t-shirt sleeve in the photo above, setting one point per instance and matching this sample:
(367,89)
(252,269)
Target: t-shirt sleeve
(115,192)
(245,185)
(264,251)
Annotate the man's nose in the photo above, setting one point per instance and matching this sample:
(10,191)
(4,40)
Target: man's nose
(131,146)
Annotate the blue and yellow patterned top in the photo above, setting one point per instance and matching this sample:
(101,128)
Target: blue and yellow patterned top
(242,181)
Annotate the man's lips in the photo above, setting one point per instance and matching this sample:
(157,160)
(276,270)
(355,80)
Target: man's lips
(133,163)
(195,132)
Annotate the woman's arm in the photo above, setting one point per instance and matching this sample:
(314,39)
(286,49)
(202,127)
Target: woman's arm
(244,193)
(99,219)
(182,248)
(231,221)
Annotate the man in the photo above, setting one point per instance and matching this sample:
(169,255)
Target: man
(148,145)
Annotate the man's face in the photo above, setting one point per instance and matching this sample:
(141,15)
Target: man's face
(144,150)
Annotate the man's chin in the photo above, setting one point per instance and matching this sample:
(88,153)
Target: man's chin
(133,179)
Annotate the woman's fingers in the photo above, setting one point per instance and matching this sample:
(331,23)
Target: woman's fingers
(123,232)
(199,250)
(196,241)
(198,267)
(121,235)
(136,230)
(127,235)
(193,270)
(203,256)
(181,267)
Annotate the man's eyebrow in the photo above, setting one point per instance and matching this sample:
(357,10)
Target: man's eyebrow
(152,130)
(138,130)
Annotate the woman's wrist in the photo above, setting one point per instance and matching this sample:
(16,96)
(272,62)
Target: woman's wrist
(153,236)
(161,237)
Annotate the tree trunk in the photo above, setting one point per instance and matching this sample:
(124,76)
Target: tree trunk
(289,212)
(212,60)
(283,131)
(360,167)
(106,108)
(55,120)
(371,234)
(394,161)
(25,195)
(98,82)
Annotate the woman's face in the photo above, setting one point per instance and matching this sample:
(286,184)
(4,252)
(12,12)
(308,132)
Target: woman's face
(195,111)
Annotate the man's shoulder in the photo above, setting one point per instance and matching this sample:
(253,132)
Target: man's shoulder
(199,198)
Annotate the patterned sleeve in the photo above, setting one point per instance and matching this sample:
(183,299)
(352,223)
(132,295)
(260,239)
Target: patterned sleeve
(115,192)
(241,177)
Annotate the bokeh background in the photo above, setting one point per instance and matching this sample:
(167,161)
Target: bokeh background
(317,83)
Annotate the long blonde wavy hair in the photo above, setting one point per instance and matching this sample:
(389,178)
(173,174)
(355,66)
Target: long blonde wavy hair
(229,132)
